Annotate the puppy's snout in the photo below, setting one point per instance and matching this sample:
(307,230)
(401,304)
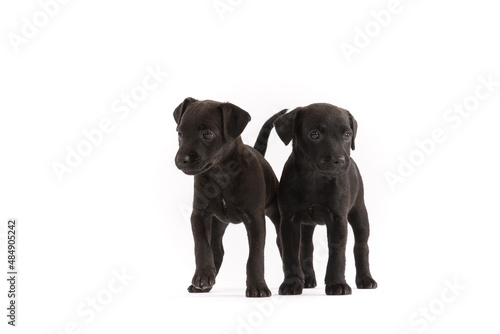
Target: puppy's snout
(185,160)
(338,161)
(190,163)
(333,161)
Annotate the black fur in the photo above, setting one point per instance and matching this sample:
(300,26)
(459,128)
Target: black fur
(261,142)
(321,184)
(233,183)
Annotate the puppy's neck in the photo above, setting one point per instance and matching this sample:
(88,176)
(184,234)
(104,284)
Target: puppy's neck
(232,154)
(301,163)
(233,149)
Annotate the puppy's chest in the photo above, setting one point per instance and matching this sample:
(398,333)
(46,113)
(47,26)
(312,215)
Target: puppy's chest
(228,211)
(314,214)
(321,205)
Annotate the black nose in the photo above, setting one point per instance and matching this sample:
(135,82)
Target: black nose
(183,160)
(338,161)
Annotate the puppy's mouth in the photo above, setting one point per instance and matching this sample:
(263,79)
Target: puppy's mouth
(331,170)
(197,169)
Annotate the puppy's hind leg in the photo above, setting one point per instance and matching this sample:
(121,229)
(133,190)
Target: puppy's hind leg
(274,214)
(358,218)
(306,255)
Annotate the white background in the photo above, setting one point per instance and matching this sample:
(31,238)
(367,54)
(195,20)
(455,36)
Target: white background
(127,206)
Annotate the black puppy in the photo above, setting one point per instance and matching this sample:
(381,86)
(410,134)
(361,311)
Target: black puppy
(233,183)
(321,184)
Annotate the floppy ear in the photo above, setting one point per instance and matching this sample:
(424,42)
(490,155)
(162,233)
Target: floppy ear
(234,120)
(179,111)
(354,128)
(285,126)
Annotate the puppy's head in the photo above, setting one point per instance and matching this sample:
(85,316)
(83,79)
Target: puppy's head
(322,134)
(206,129)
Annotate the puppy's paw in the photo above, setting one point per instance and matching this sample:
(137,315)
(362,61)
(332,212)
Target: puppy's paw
(310,281)
(338,289)
(365,283)
(204,279)
(258,290)
(291,286)
(192,289)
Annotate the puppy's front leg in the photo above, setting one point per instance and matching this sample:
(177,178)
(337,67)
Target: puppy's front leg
(256,231)
(335,270)
(290,239)
(204,276)
(358,217)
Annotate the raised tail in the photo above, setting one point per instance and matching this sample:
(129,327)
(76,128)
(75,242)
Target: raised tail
(261,142)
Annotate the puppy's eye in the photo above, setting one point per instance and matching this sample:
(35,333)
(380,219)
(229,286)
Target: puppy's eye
(179,135)
(208,135)
(314,134)
(347,136)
